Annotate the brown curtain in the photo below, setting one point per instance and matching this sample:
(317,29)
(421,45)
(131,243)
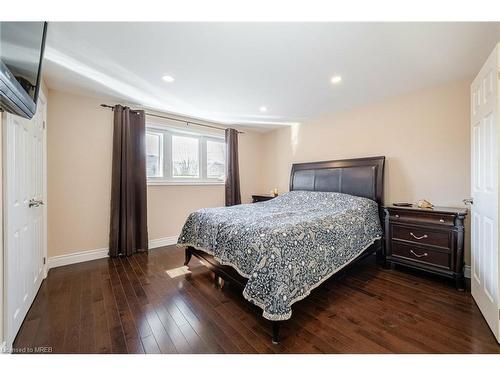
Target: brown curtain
(128,230)
(233,195)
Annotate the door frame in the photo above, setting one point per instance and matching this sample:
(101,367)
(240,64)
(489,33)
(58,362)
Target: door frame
(7,340)
(43,98)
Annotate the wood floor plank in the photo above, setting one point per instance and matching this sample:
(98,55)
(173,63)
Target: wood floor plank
(131,305)
(164,291)
(101,328)
(159,332)
(177,338)
(150,345)
(175,334)
(87,321)
(117,337)
(52,326)
(24,339)
(211,330)
(72,333)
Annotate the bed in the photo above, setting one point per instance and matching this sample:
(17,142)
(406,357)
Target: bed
(281,249)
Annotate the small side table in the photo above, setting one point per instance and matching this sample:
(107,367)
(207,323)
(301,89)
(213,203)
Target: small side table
(429,239)
(261,198)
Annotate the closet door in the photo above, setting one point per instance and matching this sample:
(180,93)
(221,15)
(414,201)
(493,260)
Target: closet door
(24,214)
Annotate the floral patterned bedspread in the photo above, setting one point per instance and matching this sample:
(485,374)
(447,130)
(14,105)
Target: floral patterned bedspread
(285,246)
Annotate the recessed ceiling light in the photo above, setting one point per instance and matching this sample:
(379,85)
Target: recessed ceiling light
(336,79)
(263,109)
(168,78)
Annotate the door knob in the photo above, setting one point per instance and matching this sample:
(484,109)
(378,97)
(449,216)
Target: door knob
(35,203)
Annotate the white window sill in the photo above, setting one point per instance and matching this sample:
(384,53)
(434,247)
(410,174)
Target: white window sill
(182,183)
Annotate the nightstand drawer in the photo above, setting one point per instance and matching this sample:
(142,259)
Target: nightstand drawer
(423,217)
(421,254)
(421,236)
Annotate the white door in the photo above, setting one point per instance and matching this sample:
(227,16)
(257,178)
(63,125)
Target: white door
(484,210)
(24,214)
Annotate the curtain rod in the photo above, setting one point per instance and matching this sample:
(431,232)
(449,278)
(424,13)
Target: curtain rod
(176,119)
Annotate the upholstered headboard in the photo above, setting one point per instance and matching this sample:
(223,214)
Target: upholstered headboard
(362,177)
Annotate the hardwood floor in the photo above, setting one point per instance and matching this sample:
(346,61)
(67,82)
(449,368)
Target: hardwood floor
(131,305)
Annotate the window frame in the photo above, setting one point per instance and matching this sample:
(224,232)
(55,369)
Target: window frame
(166,147)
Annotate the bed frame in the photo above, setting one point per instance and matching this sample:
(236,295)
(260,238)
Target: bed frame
(362,177)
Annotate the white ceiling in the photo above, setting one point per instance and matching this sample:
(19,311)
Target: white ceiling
(225,72)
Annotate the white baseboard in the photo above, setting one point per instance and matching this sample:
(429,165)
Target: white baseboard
(87,255)
(164,241)
(78,257)
(467,271)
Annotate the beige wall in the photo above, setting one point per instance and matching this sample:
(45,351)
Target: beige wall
(424,136)
(79,168)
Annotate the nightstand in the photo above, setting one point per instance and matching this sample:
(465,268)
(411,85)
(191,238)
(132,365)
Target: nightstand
(261,198)
(431,240)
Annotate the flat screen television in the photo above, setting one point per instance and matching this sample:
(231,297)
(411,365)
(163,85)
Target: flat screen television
(21,54)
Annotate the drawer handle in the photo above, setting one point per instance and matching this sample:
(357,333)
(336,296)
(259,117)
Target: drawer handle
(397,216)
(418,255)
(417,237)
(441,220)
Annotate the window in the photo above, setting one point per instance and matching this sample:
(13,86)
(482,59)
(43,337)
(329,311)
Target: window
(216,159)
(185,157)
(178,157)
(154,154)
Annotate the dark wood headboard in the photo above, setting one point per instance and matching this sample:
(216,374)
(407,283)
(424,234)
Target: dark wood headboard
(362,177)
